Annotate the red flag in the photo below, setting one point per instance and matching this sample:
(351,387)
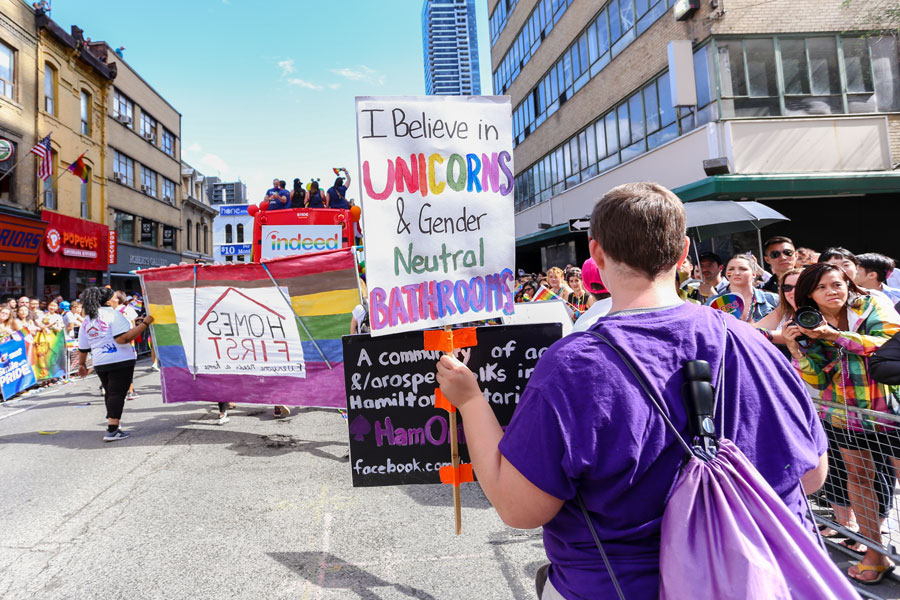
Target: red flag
(78,168)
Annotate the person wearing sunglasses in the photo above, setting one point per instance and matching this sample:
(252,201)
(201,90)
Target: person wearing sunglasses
(781,256)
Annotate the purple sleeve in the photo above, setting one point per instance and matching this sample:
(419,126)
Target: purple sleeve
(535,443)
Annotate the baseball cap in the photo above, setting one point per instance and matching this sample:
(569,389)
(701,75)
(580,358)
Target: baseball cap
(590,275)
(64,305)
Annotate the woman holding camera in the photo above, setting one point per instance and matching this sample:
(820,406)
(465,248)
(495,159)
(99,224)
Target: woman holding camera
(830,347)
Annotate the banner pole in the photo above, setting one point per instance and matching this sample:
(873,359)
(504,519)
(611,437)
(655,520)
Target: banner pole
(147,308)
(296,316)
(194,327)
(454,452)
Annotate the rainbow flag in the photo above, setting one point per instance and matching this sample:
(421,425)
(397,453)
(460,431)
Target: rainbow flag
(78,168)
(241,326)
(544,293)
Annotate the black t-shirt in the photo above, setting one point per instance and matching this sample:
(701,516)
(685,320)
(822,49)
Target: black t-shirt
(771,285)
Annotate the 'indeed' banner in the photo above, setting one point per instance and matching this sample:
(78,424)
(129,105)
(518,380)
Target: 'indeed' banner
(290,240)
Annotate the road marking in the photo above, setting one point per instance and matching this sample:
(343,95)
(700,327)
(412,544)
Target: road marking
(326,543)
(21,410)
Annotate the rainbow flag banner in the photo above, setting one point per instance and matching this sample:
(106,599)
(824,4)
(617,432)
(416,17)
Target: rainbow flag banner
(262,333)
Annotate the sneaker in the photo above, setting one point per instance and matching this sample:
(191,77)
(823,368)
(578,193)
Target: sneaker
(223,419)
(118,434)
(154,367)
(281,412)
(131,396)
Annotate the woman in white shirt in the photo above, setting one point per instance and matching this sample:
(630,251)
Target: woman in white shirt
(107,335)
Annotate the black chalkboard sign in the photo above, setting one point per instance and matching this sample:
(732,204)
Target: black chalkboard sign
(397,436)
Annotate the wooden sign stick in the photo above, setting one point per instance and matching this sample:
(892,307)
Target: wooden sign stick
(454,454)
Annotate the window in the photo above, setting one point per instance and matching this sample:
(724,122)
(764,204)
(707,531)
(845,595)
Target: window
(148,127)
(85,113)
(123,168)
(125,227)
(187,237)
(123,109)
(148,181)
(50,190)
(7,71)
(205,239)
(198,237)
(168,142)
(147,224)
(168,191)
(49,89)
(228,234)
(240,233)
(86,195)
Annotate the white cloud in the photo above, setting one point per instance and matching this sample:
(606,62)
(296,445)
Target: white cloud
(286,66)
(304,84)
(334,86)
(213,163)
(360,73)
(195,147)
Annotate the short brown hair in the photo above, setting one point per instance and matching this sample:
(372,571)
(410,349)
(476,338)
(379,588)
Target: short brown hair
(778,239)
(641,225)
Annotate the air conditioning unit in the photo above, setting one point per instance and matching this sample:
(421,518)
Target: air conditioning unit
(150,137)
(123,119)
(119,177)
(168,199)
(145,189)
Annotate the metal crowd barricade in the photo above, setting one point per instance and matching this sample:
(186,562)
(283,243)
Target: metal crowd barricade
(877,492)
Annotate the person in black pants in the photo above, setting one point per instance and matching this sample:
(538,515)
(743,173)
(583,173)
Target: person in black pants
(107,335)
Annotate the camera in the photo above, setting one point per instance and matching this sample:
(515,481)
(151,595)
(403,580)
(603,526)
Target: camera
(808,317)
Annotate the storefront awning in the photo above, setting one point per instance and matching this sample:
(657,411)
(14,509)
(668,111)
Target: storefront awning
(789,185)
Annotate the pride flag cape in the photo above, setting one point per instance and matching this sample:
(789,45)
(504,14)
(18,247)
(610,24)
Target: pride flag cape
(323,290)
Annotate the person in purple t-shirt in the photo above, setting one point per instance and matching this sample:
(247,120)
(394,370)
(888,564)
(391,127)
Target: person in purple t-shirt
(583,424)
(277,196)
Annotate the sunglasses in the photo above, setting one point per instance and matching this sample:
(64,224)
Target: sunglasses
(777,253)
(787,287)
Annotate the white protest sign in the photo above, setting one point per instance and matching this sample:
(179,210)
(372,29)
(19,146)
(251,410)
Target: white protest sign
(437,204)
(239,330)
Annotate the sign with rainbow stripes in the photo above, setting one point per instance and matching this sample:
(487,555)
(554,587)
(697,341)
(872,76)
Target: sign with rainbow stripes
(263,333)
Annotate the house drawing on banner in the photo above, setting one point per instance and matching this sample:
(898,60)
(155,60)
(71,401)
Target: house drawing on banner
(243,295)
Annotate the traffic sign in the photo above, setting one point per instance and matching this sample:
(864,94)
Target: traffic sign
(577,225)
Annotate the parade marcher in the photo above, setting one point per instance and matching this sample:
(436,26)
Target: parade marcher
(337,195)
(605,443)
(712,282)
(780,255)
(106,334)
(119,302)
(315,199)
(739,270)
(833,357)
(277,196)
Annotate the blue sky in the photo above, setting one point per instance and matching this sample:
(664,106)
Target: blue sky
(266,89)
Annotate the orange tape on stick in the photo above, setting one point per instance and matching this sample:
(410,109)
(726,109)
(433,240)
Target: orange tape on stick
(440,401)
(461,474)
(448,341)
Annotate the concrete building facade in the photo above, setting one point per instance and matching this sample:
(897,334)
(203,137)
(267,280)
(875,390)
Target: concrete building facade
(197,216)
(144,168)
(799,99)
(450,48)
(226,192)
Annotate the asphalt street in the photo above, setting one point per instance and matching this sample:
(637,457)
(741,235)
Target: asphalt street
(256,508)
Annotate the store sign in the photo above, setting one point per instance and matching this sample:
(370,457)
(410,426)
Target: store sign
(74,243)
(685,8)
(147,231)
(20,239)
(168,235)
(112,246)
(6,150)
(235,249)
(232,211)
(148,261)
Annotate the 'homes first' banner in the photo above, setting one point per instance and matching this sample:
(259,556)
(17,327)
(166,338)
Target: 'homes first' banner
(437,194)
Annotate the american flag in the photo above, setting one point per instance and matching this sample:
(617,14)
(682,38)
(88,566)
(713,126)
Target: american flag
(44,150)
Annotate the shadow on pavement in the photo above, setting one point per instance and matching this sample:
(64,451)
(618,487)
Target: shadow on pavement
(330,572)
(471,495)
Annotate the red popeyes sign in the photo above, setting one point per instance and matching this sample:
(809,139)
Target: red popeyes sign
(112,246)
(72,243)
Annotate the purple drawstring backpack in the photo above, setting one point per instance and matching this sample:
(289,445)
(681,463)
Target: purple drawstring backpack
(725,533)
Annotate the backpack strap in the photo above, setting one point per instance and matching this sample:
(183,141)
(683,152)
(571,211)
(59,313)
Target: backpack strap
(590,525)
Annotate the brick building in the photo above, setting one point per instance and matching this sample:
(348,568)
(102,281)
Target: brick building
(800,101)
